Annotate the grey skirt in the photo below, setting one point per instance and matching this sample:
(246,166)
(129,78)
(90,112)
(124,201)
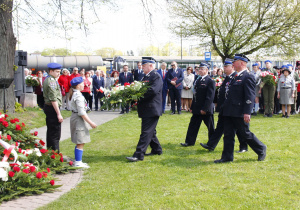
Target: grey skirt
(286,96)
(257,88)
(79,130)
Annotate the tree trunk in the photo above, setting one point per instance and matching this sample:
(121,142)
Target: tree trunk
(7,52)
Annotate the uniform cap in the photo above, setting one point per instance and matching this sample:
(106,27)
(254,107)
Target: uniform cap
(148,60)
(76,81)
(54,66)
(203,65)
(284,66)
(255,64)
(228,62)
(241,57)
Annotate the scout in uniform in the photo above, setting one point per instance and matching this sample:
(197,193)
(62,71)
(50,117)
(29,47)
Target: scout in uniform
(269,91)
(79,130)
(53,98)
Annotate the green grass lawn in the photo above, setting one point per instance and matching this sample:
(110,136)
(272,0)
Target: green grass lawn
(186,178)
(35,117)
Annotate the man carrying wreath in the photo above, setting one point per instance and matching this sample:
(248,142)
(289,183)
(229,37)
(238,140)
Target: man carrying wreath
(149,109)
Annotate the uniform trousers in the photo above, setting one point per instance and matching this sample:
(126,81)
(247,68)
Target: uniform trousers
(194,127)
(269,92)
(53,128)
(164,99)
(219,131)
(175,95)
(148,137)
(277,106)
(233,124)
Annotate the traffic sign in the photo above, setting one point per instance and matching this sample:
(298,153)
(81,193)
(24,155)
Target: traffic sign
(207,56)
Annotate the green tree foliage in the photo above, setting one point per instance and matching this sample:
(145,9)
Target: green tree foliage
(108,52)
(56,52)
(240,26)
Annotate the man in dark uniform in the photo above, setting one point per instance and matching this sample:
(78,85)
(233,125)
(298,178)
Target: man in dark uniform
(53,99)
(216,136)
(237,111)
(125,77)
(202,106)
(149,109)
(138,73)
(174,78)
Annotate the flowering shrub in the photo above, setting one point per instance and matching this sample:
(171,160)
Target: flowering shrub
(32,166)
(124,94)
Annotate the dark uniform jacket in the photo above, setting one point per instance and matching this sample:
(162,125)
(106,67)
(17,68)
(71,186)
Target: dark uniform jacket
(204,93)
(172,74)
(150,105)
(128,79)
(241,95)
(222,91)
(138,76)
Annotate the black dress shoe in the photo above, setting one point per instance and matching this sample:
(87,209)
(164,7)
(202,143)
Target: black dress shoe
(172,113)
(153,153)
(222,161)
(266,115)
(205,146)
(179,112)
(121,112)
(270,115)
(242,151)
(262,156)
(186,144)
(133,159)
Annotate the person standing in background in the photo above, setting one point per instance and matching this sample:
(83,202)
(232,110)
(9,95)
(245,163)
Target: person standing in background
(163,73)
(187,92)
(39,90)
(63,81)
(138,73)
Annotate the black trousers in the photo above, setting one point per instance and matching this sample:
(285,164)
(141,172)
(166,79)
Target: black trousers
(126,108)
(194,127)
(53,128)
(277,106)
(233,124)
(148,137)
(40,101)
(88,98)
(175,95)
(98,96)
(219,131)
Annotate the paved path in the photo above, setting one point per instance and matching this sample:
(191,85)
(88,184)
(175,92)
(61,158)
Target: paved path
(68,181)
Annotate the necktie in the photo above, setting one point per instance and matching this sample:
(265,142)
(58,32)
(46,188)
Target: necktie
(125,75)
(163,74)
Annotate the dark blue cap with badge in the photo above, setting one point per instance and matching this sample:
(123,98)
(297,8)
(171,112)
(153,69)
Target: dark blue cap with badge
(76,81)
(228,62)
(255,64)
(241,57)
(204,65)
(54,66)
(148,60)
(289,65)
(268,61)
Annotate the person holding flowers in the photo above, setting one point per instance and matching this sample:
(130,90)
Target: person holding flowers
(269,90)
(286,89)
(149,109)
(79,130)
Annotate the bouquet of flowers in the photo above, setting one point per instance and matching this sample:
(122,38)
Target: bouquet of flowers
(124,94)
(219,81)
(267,79)
(31,80)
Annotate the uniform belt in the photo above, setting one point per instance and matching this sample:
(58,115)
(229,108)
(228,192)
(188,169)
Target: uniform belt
(286,87)
(74,112)
(48,104)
